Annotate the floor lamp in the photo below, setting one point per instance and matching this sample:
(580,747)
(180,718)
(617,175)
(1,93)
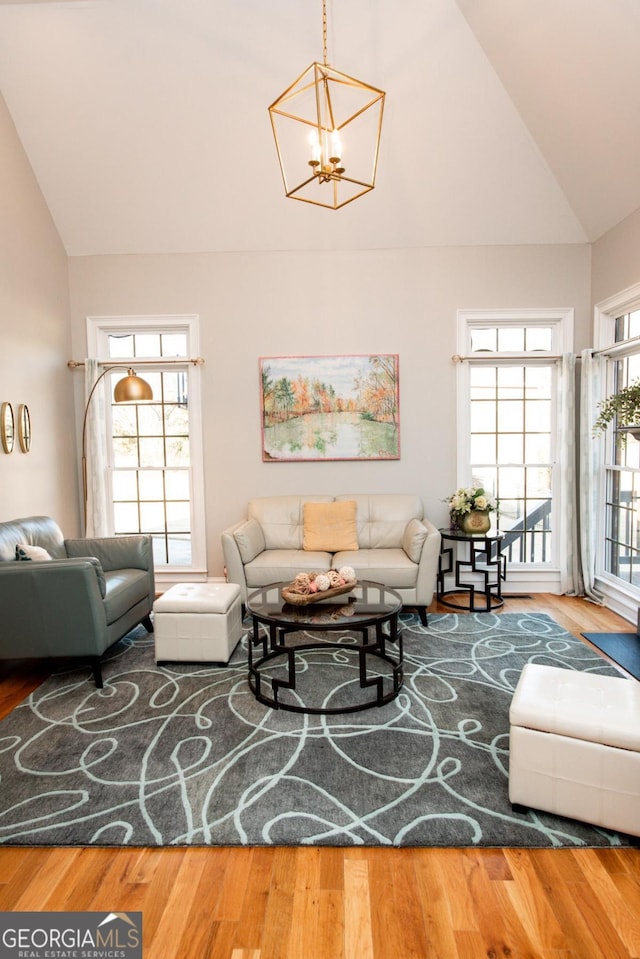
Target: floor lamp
(130,389)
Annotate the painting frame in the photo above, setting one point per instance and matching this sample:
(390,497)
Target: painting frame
(329,407)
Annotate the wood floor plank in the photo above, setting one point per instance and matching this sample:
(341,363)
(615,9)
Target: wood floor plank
(332,868)
(352,903)
(12,860)
(435,901)
(54,871)
(449,865)
(522,897)
(358,936)
(408,907)
(496,865)
(279,911)
(622,912)
(174,928)
(598,922)
(564,893)
(502,928)
(331,932)
(83,882)
(159,893)
(231,898)
(252,917)
(305,905)
(471,945)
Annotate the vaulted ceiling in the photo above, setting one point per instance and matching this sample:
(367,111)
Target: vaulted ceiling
(146,123)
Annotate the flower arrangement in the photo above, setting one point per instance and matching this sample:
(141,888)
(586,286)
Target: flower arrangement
(465,500)
(306,584)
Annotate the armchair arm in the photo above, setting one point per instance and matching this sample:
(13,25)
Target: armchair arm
(51,609)
(233,560)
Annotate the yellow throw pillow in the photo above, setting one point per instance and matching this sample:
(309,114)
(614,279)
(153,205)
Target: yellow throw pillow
(330,526)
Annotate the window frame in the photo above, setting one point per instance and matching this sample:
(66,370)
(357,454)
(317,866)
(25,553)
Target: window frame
(621,596)
(545,577)
(99,328)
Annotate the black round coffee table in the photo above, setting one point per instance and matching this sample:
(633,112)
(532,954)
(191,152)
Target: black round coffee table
(289,664)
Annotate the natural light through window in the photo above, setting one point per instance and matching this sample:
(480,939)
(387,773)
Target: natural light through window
(622,470)
(508,381)
(155,460)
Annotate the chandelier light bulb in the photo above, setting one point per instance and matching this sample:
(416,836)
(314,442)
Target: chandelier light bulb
(314,143)
(336,147)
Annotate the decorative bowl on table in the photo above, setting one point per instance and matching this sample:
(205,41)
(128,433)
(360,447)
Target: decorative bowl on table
(308,588)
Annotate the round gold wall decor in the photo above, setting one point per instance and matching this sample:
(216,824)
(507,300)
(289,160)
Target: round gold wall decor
(7,427)
(24,428)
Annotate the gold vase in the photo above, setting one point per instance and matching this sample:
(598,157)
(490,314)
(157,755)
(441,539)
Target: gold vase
(477,521)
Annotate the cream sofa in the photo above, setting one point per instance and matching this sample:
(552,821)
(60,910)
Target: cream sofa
(396,545)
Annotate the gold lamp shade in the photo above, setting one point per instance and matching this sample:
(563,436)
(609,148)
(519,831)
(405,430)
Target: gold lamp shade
(327,129)
(132,389)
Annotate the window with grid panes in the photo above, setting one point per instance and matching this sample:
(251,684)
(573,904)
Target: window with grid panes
(622,468)
(509,446)
(151,455)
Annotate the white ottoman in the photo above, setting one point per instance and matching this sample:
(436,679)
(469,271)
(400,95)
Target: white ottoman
(574,746)
(197,622)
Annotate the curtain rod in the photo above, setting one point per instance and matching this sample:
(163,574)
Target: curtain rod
(508,357)
(196,361)
(614,350)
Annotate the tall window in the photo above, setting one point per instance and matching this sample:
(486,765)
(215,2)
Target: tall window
(154,454)
(508,435)
(622,460)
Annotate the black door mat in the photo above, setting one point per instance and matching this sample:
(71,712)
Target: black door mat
(622,648)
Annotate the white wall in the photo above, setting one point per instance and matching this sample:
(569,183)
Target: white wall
(616,259)
(262,304)
(35,344)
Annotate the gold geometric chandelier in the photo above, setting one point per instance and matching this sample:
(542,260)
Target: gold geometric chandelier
(327,129)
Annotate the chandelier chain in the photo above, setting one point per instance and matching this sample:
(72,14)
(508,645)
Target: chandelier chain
(324,31)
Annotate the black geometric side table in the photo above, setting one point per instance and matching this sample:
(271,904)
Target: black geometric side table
(471,564)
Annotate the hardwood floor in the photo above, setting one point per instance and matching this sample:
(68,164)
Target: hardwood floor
(317,903)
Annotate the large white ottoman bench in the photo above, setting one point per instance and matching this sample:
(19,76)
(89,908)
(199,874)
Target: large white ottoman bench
(197,622)
(574,746)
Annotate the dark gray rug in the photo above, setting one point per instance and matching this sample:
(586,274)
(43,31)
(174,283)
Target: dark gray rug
(184,755)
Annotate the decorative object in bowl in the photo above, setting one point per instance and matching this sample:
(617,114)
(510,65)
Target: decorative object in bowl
(315,587)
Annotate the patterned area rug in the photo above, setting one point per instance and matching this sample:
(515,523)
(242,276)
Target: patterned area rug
(184,755)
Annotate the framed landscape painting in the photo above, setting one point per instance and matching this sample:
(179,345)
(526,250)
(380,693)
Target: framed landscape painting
(330,407)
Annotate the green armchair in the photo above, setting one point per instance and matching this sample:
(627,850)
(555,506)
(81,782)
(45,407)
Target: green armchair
(77,598)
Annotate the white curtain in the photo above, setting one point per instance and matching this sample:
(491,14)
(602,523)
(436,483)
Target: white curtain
(593,373)
(570,575)
(98,505)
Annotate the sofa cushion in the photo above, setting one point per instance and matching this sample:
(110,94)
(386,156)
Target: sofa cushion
(389,566)
(125,588)
(250,540)
(330,526)
(26,552)
(281,565)
(413,540)
(280,518)
(382,517)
